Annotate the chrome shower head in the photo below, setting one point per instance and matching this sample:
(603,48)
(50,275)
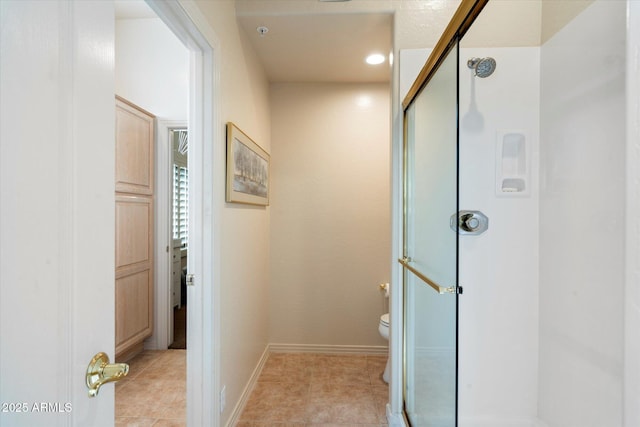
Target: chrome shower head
(482,67)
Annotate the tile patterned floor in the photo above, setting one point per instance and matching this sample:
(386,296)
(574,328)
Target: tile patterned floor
(154,392)
(296,390)
(293,390)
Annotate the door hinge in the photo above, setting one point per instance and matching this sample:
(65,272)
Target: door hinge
(190,280)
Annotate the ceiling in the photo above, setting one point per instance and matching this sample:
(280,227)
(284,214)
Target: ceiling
(307,44)
(321,47)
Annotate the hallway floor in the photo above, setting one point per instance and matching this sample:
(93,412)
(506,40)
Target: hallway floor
(154,392)
(302,389)
(293,390)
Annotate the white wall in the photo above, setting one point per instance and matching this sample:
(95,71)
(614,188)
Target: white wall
(582,220)
(152,67)
(578,379)
(330,218)
(498,311)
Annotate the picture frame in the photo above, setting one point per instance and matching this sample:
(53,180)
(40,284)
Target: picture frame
(248,169)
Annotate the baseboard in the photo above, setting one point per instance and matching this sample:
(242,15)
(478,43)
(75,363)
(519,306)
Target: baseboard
(130,352)
(246,393)
(329,349)
(151,343)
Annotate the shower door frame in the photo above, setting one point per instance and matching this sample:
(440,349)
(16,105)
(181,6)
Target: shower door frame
(465,15)
(461,21)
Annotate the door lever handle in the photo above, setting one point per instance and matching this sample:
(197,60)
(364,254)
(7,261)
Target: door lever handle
(100,372)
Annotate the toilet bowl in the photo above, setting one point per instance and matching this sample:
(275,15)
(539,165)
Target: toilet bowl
(383,328)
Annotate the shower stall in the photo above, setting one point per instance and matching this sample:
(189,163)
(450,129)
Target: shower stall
(514,227)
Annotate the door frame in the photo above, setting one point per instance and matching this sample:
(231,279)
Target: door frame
(206,134)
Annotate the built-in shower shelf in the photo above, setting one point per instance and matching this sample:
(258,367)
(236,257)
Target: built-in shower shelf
(512,163)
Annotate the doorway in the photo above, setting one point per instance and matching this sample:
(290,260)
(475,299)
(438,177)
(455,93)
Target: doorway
(199,40)
(138,34)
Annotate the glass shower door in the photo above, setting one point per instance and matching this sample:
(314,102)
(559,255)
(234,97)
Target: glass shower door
(430,251)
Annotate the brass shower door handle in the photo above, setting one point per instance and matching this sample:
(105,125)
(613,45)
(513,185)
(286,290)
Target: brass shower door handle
(100,372)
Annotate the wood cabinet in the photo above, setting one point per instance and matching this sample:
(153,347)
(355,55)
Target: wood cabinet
(134,227)
(134,149)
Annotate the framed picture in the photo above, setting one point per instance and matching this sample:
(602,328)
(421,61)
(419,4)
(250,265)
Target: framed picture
(247,169)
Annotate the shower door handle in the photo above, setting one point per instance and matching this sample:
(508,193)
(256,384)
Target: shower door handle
(469,222)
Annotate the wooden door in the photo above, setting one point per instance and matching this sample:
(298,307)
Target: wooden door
(134,227)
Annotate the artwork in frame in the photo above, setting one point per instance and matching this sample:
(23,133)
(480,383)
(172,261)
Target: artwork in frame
(247,169)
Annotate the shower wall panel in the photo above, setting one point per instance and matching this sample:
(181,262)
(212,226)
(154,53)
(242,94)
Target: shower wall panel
(498,329)
(582,220)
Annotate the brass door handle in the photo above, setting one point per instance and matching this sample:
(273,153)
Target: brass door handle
(100,372)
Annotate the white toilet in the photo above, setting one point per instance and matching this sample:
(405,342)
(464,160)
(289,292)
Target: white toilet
(383,328)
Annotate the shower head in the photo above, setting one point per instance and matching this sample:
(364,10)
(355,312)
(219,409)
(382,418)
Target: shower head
(482,67)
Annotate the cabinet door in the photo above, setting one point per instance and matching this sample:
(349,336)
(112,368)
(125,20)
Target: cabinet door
(134,271)
(134,227)
(134,149)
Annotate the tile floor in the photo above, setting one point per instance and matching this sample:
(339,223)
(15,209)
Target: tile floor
(154,392)
(300,389)
(293,390)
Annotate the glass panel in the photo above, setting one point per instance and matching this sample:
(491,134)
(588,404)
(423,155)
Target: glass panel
(431,245)
(430,355)
(431,176)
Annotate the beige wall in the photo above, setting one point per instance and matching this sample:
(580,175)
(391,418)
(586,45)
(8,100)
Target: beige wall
(330,214)
(556,14)
(244,236)
(419,24)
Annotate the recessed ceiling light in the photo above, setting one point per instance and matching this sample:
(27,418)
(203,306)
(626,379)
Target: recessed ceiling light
(375,59)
